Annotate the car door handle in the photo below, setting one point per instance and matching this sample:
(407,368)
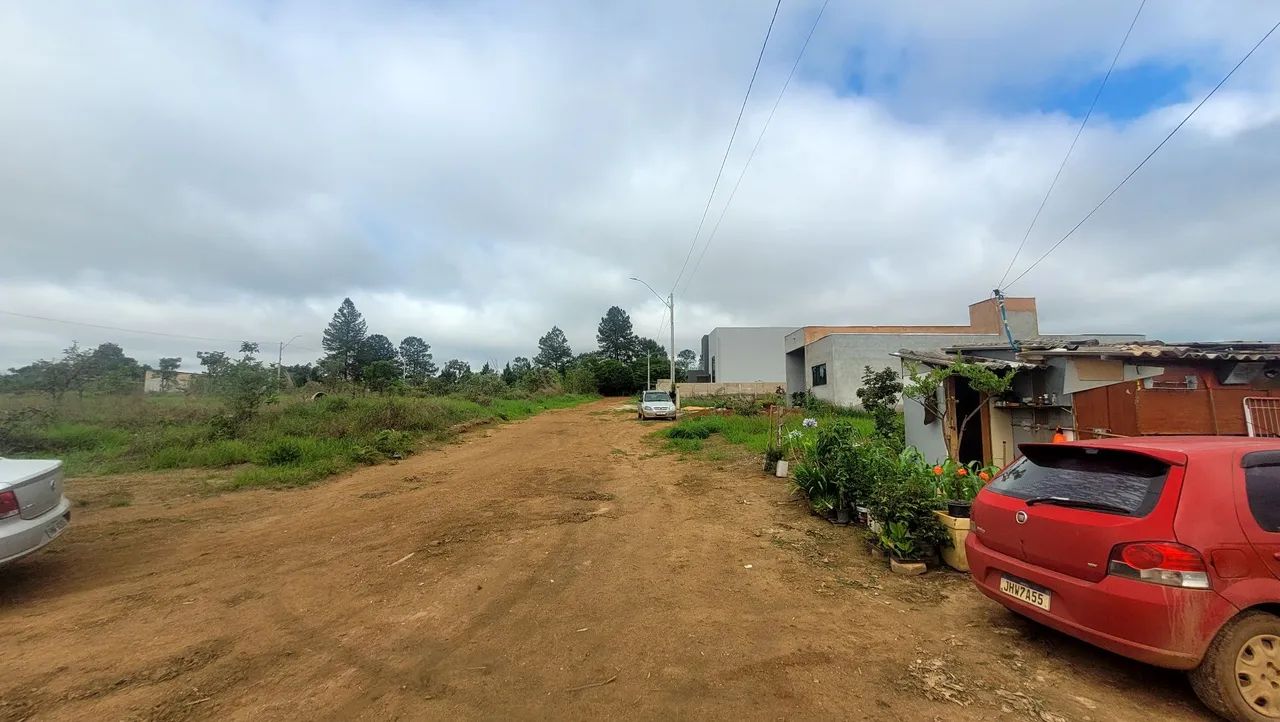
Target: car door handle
(1276,555)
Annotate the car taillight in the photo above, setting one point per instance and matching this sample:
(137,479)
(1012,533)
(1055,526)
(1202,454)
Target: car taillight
(1167,563)
(8,504)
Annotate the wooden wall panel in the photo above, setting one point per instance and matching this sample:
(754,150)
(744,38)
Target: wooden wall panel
(1090,409)
(1122,407)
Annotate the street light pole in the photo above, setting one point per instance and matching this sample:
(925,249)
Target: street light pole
(280,356)
(670,303)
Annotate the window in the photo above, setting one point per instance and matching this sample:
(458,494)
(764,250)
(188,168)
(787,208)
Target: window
(1262,486)
(820,375)
(657,396)
(1123,479)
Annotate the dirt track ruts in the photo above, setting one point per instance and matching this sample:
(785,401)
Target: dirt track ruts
(560,567)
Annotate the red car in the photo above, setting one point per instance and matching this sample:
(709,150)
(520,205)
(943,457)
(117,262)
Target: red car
(1162,549)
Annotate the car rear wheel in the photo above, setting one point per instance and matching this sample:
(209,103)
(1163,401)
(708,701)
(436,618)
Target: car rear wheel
(1240,675)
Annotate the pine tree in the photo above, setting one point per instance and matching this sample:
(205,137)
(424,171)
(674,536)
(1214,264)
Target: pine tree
(415,354)
(553,350)
(342,339)
(616,338)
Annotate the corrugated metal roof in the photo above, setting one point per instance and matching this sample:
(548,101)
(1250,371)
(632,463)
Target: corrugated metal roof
(940,358)
(1031,343)
(1226,351)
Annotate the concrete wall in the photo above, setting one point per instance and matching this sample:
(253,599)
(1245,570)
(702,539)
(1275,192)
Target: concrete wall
(153,384)
(847,355)
(687,390)
(747,354)
(928,439)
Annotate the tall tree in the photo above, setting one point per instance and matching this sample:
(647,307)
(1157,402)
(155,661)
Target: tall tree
(615,336)
(454,371)
(112,371)
(377,349)
(649,347)
(169,372)
(685,359)
(415,354)
(343,337)
(553,350)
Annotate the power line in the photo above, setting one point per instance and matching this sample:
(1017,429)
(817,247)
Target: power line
(1149,155)
(754,148)
(694,243)
(130,330)
(1074,140)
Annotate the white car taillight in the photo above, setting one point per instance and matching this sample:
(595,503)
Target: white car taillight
(8,504)
(1167,563)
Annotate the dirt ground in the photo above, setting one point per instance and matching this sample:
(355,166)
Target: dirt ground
(561,567)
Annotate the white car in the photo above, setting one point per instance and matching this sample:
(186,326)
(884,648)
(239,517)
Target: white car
(33,511)
(656,405)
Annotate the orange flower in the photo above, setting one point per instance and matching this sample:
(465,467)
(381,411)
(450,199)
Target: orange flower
(962,471)
(984,476)
(937,471)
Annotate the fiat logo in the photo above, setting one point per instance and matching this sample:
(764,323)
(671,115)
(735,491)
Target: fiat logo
(1020,517)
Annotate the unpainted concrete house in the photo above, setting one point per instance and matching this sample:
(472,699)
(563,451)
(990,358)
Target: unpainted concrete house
(745,354)
(827,362)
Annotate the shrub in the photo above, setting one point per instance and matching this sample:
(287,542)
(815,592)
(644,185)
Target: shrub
(580,380)
(282,453)
(694,430)
(879,397)
(908,495)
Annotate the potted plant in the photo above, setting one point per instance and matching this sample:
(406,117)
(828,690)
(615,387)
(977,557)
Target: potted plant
(771,459)
(903,501)
(958,484)
(905,555)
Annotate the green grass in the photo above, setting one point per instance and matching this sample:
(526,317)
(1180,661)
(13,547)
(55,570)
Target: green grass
(290,443)
(749,432)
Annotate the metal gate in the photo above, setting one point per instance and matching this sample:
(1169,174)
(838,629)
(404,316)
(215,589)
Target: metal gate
(1262,415)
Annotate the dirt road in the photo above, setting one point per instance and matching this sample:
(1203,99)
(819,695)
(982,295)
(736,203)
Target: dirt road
(556,568)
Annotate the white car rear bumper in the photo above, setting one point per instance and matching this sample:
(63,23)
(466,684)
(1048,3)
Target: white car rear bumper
(20,537)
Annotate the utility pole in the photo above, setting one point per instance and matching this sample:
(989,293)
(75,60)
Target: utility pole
(670,303)
(648,374)
(675,396)
(280,357)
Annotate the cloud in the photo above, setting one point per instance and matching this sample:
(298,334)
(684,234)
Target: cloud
(476,172)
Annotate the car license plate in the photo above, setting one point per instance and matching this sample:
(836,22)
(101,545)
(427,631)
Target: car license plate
(55,528)
(1026,592)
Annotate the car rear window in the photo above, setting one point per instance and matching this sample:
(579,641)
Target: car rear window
(1124,479)
(1262,486)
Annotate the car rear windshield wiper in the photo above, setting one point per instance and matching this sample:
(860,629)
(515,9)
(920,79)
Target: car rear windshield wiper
(1077,503)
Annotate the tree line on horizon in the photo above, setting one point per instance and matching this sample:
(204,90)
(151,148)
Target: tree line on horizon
(622,363)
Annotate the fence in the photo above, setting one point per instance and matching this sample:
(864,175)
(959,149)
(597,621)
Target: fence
(1262,415)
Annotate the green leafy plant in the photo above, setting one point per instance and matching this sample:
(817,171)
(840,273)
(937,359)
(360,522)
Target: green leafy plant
(896,539)
(879,396)
(907,493)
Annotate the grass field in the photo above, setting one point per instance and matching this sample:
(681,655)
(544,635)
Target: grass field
(290,443)
(751,433)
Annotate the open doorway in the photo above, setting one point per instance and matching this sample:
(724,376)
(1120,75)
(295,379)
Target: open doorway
(970,447)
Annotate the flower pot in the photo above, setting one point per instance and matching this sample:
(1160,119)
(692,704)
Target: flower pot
(959,509)
(957,529)
(864,515)
(842,515)
(781,469)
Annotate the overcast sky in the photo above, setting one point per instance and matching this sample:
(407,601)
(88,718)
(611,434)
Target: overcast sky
(474,172)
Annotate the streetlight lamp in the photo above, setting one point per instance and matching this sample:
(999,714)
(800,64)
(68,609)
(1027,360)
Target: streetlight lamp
(280,356)
(670,303)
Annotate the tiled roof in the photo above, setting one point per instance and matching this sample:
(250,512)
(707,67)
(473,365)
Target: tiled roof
(1224,351)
